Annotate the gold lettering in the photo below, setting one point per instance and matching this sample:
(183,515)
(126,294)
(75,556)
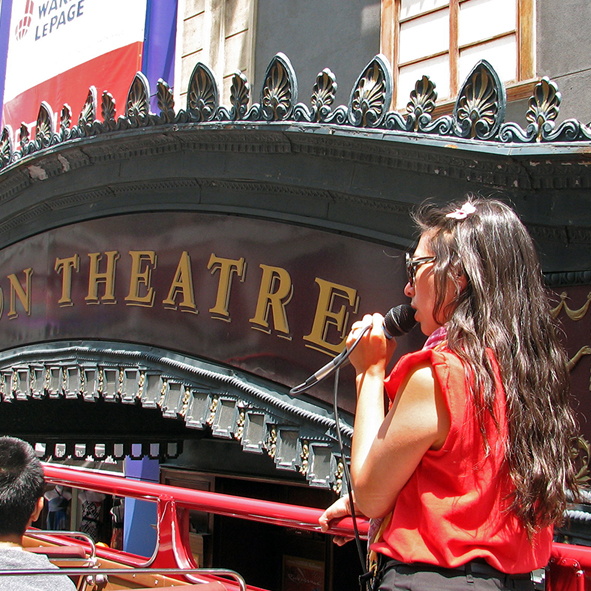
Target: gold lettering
(227,268)
(274,294)
(141,276)
(325,317)
(108,278)
(183,283)
(23,294)
(65,266)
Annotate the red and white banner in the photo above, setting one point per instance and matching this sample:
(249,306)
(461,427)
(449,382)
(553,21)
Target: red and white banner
(59,48)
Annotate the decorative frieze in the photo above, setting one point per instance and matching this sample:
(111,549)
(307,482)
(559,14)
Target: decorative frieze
(295,434)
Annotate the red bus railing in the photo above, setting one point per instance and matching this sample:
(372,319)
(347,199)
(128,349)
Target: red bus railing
(569,568)
(173,506)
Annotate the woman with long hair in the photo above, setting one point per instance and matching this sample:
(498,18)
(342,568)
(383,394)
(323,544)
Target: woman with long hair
(466,473)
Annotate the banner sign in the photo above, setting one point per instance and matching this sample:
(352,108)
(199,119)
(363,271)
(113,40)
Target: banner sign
(273,299)
(57,49)
(5,10)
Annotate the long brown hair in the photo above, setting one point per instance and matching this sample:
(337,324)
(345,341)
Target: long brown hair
(505,308)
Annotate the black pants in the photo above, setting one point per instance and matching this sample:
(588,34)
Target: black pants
(474,576)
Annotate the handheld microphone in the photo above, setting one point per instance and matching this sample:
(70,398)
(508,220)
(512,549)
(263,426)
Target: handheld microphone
(397,322)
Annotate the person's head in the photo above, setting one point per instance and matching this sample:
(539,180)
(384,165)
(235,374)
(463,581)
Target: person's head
(21,486)
(483,255)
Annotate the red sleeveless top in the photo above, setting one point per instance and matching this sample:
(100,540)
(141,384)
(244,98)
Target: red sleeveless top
(454,508)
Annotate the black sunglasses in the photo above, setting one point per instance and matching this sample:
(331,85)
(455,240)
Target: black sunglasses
(412,265)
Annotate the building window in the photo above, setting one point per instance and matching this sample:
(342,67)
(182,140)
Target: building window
(219,34)
(444,39)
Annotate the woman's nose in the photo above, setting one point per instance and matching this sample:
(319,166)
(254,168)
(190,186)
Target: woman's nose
(409,290)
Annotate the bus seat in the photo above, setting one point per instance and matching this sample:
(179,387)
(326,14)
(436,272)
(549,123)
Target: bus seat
(59,552)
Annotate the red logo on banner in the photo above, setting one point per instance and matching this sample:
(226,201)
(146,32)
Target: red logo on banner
(25,23)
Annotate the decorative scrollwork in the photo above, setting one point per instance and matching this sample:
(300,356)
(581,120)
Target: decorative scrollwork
(573,314)
(581,453)
(280,89)
(44,127)
(339,474)
(215,400)
(480,107)
(372,94)
(272,442)
(478,113)
(305,457)
(108,108)
(138,100)
(165,100)
(568,131)
(323,94)
(421,104)
(239,433)
(88,114)
(239,95)
(202,95)
(543,107)
(512,132)
(6,146)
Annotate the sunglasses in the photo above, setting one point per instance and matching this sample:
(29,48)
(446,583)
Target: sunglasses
(412,266)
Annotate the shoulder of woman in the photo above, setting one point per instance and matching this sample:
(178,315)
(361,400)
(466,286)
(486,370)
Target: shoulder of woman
(411,363)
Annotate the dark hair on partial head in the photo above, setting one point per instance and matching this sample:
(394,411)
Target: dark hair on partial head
(505,308)
(21,485)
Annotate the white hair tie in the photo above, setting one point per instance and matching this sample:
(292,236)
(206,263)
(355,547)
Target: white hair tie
(463,212)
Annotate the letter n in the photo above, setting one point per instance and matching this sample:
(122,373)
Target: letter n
(23,294)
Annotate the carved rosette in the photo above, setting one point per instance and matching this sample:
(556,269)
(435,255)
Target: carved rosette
(165,100)
(202,94)
(422,103)
(239,96)
(280,89)
(138,100)
(323,94)
(88,114)
(480,107)
(371,94)
(543,107)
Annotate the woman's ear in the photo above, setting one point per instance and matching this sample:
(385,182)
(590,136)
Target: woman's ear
(461,281)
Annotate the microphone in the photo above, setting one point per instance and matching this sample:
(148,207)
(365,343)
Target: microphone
(397,322)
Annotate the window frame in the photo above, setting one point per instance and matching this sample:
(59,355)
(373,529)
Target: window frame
(521,88)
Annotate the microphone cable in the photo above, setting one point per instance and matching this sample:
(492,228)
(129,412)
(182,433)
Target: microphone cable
(346,472)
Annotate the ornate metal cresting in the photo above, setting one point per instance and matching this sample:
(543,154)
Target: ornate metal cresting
(479,110)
